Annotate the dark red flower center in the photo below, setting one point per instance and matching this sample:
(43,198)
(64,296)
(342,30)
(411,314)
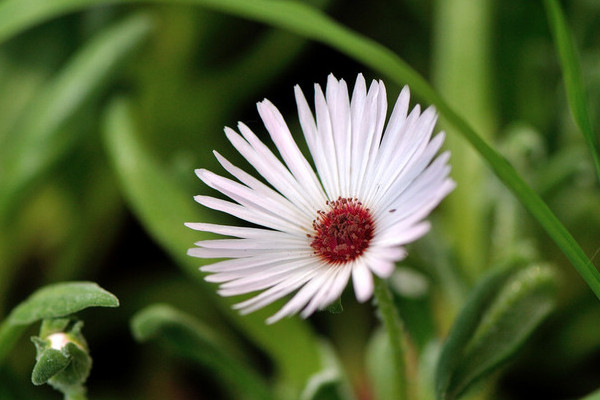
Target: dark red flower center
(342,233)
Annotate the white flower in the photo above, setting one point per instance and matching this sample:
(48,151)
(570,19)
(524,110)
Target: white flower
(369,197)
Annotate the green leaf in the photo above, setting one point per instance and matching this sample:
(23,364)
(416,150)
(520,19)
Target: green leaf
(52,301)
(40,139)
(297,17)
(59,300)
(188,338)
(50,363)
(573,78)
(162,206)
(499,315)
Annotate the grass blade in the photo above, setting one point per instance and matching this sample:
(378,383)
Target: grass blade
(573,78)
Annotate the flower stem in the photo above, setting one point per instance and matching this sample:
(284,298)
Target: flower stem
(76,393)
(396,335)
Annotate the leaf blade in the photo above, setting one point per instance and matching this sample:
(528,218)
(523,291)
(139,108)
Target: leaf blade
(573,77)
(59,300)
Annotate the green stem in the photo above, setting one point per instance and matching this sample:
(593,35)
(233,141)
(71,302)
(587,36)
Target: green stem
(395,332)
(76,393)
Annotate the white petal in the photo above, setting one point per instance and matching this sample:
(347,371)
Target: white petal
(274,293)
(295,161)
(326,141)
(301,298)
(399,235)
(382,268)
(242,212)
(362,281)
(330,290)
(314,141)
(339,111)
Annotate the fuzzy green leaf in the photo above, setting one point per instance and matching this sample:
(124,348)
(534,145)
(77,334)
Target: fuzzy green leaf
(59,300)
(50,363)
(190,339)
(49,302)
(499,315)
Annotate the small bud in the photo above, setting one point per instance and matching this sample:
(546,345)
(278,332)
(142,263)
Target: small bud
(62,358)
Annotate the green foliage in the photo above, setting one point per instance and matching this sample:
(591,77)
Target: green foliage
(59,300)
(499,315)
(107,106)
(53,301)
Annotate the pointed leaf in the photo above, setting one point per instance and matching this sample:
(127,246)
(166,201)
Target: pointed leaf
(59,300)
(49,302)
(50,363)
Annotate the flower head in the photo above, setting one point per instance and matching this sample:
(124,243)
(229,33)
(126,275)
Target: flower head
(372,189)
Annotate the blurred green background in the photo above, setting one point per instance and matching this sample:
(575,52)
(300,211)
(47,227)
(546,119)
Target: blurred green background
(106,111)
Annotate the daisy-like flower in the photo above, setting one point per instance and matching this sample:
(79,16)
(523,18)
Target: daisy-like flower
(372,189)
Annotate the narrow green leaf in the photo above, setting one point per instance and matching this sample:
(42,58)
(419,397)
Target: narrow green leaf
(573,77)
(162,205)
(59,300)
(190,339)
(41,139)
(500,314)
(297,17)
